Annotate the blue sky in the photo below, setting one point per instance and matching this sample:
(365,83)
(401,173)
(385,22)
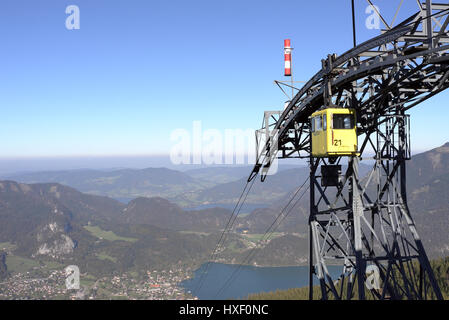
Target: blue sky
(137,70)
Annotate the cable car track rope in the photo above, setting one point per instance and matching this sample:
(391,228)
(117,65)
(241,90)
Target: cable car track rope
(269,232)
(226,230)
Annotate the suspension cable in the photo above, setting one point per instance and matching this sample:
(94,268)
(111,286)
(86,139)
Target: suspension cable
(226,230)
(273,227)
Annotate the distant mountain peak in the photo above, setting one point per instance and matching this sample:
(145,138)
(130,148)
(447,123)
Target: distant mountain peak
(151,204)
(155,200)
(14,186)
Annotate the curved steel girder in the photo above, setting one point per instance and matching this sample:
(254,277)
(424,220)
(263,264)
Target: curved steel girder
(394,71)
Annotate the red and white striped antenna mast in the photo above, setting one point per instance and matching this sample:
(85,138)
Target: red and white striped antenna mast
(288,58)
(288,67)
(288,62)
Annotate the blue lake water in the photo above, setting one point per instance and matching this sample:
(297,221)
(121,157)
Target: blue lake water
(248,280)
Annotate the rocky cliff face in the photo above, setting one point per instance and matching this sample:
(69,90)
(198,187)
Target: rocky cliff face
(53,241)
(34,218)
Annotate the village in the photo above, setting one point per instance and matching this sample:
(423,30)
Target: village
(152,285)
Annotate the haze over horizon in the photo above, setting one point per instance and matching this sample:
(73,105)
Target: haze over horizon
(9,166)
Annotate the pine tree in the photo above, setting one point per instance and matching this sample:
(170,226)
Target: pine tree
(3,268)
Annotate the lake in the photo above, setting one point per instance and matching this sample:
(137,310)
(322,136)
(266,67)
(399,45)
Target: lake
(248,280)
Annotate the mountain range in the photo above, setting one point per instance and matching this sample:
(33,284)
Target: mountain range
(121,184)
(54,222)
(190,189)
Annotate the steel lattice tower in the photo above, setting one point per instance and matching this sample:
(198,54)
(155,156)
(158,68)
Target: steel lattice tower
(361,222)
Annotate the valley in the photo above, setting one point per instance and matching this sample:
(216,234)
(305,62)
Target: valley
(47,225)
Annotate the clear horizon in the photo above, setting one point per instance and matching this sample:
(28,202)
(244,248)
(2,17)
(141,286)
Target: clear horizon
(11,166)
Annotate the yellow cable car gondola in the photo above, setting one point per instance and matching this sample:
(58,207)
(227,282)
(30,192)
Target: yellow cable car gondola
(334,132)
